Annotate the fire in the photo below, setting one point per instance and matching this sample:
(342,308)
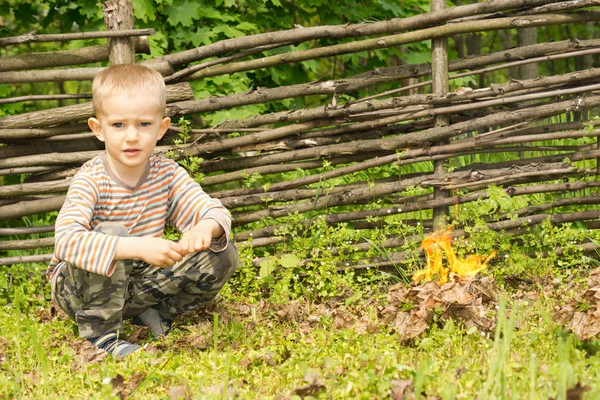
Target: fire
(438,243)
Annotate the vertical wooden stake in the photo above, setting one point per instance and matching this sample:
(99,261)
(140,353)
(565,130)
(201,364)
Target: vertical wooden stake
(118,15)
(439,76)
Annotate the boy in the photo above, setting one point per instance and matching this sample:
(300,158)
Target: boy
(110,262)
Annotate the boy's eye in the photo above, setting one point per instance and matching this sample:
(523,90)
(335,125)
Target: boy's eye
(118,124)
(145,124)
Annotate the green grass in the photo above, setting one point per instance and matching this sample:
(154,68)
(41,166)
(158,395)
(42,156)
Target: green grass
(259,349)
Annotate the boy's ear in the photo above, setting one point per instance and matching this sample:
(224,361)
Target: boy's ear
(94,125)
(164,125)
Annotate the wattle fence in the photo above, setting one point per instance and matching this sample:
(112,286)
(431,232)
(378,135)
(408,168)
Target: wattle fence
(433,146)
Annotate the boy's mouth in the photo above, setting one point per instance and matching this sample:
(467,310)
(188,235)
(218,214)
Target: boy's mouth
(131,152)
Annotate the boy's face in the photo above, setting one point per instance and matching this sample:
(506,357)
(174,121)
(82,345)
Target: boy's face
(129,125)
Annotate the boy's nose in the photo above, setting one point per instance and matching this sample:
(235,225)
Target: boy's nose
(132,135)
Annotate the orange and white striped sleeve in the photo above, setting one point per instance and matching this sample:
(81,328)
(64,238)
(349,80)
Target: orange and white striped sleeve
(75,242)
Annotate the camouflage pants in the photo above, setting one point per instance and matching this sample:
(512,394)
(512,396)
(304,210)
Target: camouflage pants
(99,304)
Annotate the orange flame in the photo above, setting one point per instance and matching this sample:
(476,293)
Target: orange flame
(441,241)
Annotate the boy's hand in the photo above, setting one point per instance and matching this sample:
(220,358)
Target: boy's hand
(161,252)
(200,236)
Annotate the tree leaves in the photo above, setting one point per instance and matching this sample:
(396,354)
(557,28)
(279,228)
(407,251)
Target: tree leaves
(182,12)
(247,26)
(202,35)
(228,31)
(144,10)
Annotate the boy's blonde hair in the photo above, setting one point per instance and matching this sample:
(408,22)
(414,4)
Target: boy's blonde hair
(127,78)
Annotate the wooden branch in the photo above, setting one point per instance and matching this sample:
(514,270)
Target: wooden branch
(61,174)
(278,168)
(26,244)
(408,113)
(75,112)
(41,132)
(286,195)
(259,137)
(556,203)
(65,37)
(384,189)
(194,68)
(26,170)
(547,8)
(40,258)
(382,75)
(49,159)
(330,87)
(29,230)
(397,40)
(411,206)
(35,188)
(482,71)
(409,140)
(25,208)
(432,112)
(69,74)
(10,100)
(299,35)
(62,58)
(457,148)
(216,131)
(39,148)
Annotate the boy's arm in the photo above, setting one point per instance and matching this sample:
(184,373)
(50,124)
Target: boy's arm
(193,212)
(75,243)
(155,251)
(200,237)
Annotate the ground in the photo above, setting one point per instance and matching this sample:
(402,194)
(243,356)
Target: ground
(337,348)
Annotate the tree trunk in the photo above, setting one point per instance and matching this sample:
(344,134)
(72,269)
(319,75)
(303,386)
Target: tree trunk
(118,15)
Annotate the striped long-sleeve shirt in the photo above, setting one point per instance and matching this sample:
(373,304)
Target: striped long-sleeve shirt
(165,194)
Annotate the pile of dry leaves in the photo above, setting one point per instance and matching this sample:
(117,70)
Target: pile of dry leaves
(411,310)
(582,313)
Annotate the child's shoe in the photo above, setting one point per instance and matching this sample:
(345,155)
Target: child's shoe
(117,347)
(152,319)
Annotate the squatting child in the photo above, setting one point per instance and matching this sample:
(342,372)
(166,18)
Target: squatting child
(110,262)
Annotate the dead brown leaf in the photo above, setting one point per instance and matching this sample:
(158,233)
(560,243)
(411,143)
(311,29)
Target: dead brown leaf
(3,345)
(179,392)
(582,313)
(118,384)
(409,325)
(314,385)
(218,390)
(290,312)
(245,362)
(402,389)
(343,320)
(87,353)
(31,377)
(139,333)
(151,349)
(577,391)
(268,358)
(200,342)
(45,315)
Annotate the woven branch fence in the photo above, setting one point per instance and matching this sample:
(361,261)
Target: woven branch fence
(542,126)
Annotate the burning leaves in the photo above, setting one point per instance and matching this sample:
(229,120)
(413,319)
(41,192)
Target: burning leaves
(438,243)
(456,294)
